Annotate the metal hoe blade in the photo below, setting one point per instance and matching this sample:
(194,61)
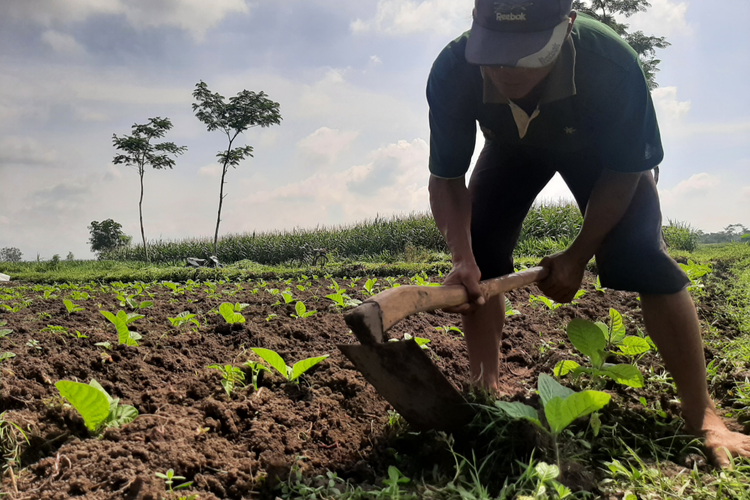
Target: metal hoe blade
(406,377)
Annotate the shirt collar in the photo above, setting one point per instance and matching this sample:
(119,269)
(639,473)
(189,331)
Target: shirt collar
(560,82)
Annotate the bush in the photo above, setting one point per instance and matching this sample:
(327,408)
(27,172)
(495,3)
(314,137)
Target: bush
(680,236)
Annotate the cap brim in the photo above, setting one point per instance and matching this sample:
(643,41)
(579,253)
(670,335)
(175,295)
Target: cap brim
(494,48)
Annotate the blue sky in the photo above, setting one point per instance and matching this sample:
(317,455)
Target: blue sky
(350,79)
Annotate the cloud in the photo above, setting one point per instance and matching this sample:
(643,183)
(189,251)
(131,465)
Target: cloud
(213,170)
(375,60)
(698,185)
(324,145)
(395,180)
(25,151)
(404,17)
(194,16)
(664,18)
(668,107)
(63,43)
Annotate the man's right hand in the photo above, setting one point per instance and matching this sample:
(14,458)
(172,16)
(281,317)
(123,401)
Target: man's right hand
(466,274)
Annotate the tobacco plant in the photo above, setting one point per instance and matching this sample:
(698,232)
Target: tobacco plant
(301,309)
(182,318)
(230,314)
(255,369)
(71,307)
(593,341)
(290,373)
(121,322)
(98,409)
(420,341)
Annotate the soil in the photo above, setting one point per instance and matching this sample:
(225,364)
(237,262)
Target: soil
(239,446)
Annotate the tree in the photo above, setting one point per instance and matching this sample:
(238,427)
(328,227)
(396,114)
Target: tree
(10,254)
(645,46)
(70,256)
(139,152)
(245,110)
(107,235)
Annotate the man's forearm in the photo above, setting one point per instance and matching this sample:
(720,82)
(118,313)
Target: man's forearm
(609,200)
(451,206)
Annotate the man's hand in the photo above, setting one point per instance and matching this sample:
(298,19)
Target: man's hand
(565,276)
(466,274)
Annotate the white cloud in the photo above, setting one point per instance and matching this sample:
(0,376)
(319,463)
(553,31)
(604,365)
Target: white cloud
(696,187)
(395,180)
(324,145)
(664,18)
(403,17)
(63,43)
(24,151)
(668,107)
(194,16)
(213,170)
(376,60)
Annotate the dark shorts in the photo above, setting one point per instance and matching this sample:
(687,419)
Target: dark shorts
(503,186)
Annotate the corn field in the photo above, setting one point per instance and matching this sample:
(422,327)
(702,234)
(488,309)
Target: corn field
(546,226)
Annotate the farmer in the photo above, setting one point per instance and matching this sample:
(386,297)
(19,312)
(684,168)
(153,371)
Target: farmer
(558,92)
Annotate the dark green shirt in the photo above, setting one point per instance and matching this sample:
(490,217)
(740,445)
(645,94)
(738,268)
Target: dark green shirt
(596,99)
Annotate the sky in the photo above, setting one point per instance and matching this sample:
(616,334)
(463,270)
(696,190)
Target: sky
(350,80)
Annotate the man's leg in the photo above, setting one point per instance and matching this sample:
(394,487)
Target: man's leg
(483,331)
(503,187)
(672,323)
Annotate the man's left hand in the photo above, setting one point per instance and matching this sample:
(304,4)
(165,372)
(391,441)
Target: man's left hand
(565,276)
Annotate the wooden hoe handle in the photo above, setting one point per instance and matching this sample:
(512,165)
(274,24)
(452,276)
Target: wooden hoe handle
(400,302)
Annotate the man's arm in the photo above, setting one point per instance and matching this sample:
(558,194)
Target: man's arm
(451,207)
(609,200)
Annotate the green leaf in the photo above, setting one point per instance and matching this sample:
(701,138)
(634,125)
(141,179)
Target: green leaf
(617,328)
(588,339)
(227,311)
(300,308)
(97,385)
(549,388)
(301,367)
(145,304)
(564,367)
(274,360)
(124,335)
(561,412)
(624,374)
(131,317)
(546,472)
(519,411)
(89,401)
(633,346)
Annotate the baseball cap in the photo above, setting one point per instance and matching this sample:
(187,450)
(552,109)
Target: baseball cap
(517,33)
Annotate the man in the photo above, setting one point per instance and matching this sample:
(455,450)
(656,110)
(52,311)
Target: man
(558,92)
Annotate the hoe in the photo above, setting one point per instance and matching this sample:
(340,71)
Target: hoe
(400,371)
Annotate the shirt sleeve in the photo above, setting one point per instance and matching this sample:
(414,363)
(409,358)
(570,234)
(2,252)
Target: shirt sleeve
(452,116)
(628,139)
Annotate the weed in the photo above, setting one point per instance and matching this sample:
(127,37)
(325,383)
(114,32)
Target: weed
(169,479)
(230,376)
(255,369)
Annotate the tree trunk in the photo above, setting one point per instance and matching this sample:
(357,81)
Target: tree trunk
(140,213)
(221,198)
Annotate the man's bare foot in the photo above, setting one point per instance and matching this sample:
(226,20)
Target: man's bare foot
(721,442)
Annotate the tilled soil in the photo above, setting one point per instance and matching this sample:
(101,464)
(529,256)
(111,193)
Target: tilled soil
(238,447)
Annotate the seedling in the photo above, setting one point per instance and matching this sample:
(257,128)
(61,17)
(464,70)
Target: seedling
(342,300)
(98,409)
(228,312)
(598,286)
(509,311)
(121,322)
(301,309)
(230,376)
(287,296)
(271,316)
(76,295)
(290,373)
(71,307)
(255,369)
(370,286)
(448,329)
(54,329)
(589,339)
(6,355)
(182,318)
(34,344)
(561,405)
(170,477)
(4,332)
(540,299)
(420,341)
